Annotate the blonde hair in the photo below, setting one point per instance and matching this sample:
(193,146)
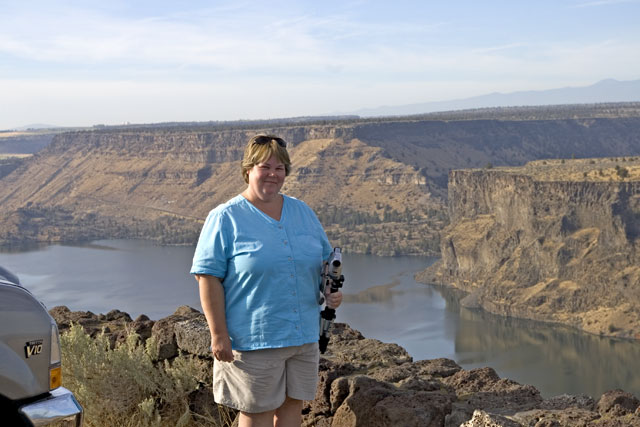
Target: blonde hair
(260,148)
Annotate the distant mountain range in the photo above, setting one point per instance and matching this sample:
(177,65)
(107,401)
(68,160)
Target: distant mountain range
(609,90)
(605,91)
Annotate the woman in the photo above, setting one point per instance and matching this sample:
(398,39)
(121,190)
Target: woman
(258,265)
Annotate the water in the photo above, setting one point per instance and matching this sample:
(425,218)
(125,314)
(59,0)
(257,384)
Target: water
(381,300)
(137,277)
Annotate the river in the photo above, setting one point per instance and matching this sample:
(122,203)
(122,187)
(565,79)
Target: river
(381,300)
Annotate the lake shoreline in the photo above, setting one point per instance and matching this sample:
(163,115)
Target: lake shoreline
(142,277)
(468,299)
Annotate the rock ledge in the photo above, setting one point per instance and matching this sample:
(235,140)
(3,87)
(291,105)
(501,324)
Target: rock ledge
(365,382)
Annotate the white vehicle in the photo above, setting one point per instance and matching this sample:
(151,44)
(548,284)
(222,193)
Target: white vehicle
(30,362)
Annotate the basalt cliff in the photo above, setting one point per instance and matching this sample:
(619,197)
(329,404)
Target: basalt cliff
(378,186)
(554,240)
(160,184)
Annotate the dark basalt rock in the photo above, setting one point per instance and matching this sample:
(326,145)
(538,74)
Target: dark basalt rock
(164,330)
(365,382)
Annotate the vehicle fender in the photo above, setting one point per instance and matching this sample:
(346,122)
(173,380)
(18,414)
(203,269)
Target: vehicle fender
(17,380)
(24,324)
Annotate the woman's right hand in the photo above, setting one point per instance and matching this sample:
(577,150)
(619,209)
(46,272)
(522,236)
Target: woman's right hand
(221,348)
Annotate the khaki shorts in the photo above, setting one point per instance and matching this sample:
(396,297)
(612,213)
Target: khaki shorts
(260,380)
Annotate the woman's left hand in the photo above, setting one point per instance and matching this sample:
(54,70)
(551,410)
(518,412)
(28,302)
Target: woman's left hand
(333,299)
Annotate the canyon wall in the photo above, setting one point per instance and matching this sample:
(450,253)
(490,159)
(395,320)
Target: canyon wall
(377,186)
(160,184)
(554,242)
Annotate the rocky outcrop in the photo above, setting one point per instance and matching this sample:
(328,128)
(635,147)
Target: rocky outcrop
(27,142)
(368,383)
(554,241)
(8,165)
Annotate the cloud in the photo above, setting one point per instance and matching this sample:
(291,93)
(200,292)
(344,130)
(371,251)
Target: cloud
(128,61)
(216,40)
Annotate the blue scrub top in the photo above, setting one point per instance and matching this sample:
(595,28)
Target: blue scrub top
(270,271)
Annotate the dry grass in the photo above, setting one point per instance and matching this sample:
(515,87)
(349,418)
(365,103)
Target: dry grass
(125,386)
(605,169)
(12,134)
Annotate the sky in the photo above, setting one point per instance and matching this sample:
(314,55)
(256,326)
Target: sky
(88,62)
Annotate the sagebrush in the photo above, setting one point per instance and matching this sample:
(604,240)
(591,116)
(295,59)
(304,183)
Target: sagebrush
(126,386)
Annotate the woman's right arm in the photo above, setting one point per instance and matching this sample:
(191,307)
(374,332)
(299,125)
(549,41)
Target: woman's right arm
(212,301)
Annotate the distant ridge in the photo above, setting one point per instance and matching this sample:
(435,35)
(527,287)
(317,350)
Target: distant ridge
(605,91)
(35,126)
(231,124)
(532,112)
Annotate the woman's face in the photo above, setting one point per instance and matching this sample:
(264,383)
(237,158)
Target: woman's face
(266,178)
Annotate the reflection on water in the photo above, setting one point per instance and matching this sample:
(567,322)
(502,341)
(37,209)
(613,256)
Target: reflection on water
(429,322)
(374,294)
(556,359)
(382,300)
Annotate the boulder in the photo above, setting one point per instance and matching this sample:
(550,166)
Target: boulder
(571,416)
(366,382)
(349,346)
(117,315)
(164,331)
(483,419)
(116,324)
(373,403)
(565,401)
(192,336)
(328,372)
(65,317)
(483,389)
(440,368)
(617,403)
(142,326)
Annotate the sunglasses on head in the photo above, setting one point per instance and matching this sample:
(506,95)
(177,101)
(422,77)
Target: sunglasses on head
(261,140)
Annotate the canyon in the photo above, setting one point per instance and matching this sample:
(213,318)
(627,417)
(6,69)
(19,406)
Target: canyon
(378,185)
(532,210)
(554,240)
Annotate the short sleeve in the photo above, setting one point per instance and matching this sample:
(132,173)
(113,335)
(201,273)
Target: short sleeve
(210,256)
(326,246)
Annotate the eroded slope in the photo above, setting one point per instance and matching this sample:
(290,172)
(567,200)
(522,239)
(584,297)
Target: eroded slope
(554,241)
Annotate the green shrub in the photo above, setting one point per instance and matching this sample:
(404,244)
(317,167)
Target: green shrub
(622,172)
(124,386)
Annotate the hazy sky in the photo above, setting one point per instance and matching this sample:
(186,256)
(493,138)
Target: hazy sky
(85,62)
